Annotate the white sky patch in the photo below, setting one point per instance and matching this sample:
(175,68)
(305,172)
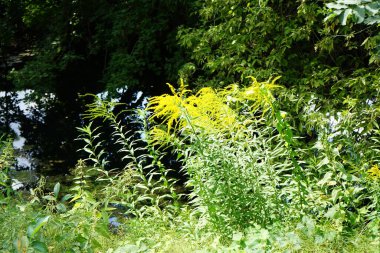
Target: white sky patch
(370,101)
(27,106)
(102,95)
(145,102)
(19,142)
(138,96)
(23,162)
(333,122)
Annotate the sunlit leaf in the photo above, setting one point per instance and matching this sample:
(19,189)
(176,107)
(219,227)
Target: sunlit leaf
(36,226)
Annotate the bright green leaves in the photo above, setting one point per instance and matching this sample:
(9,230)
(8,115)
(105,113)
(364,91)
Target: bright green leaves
(36,226)
(23,243)
(57,188)
(361,11)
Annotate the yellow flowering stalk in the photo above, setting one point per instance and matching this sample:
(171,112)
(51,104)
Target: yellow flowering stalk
(374,172)
(208,109)
(168,107)
(260,94)
(205,110)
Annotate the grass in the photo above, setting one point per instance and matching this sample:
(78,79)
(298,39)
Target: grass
(181,233)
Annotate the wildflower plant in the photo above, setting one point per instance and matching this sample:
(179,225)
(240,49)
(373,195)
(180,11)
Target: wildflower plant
(244,163)
(234,158)
(142,186)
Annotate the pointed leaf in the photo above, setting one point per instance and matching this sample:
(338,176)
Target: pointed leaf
(34,228)
(57,188)
(359,13)
(343,17)
(61,208)
(331,212)
(372,8)
(66,197)
(102,230)
(49,197)
(325,161)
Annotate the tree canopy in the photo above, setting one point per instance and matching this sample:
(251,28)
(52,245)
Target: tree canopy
(81,46)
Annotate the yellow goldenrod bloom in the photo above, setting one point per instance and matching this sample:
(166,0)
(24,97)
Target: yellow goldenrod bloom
(208,110)
(374,172)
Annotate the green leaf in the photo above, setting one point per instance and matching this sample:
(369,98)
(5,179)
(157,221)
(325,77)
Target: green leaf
(128,248)
(21,244)
(343,17)
(331,212)
(354,2)
(372,20)
(77,196)
(325,161)
(57,187)
(39,246)
(237,236)
(96,244)
(336,6)
(372,8)
(61,208)
(335,194)
(34,228)
(359,13)
(66,197)
(89,151)
(325,179)
(49,197)
(102,230)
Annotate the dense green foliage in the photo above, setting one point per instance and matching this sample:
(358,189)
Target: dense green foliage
(277,137)
(361,11)
(81,46)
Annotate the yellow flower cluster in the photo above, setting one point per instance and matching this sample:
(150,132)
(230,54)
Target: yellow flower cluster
(374,172)
(208,109)
(260,93)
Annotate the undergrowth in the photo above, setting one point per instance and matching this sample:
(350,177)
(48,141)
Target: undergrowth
(250,183)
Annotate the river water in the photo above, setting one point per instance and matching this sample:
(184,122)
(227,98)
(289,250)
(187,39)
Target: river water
(44,131)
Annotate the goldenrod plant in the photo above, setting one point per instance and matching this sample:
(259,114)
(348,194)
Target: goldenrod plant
(236,162)
(244,163)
